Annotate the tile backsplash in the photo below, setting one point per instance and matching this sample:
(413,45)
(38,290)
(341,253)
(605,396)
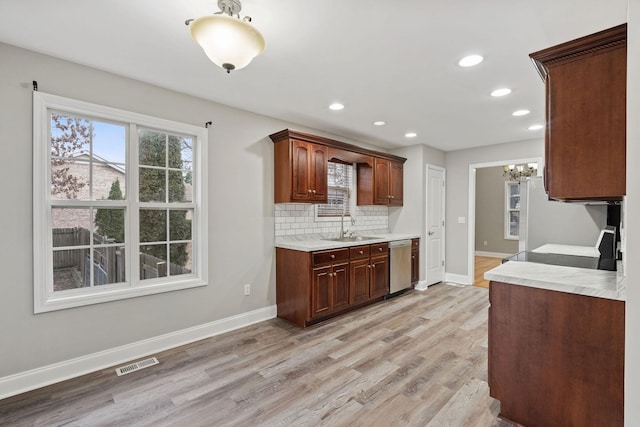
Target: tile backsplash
(294,219)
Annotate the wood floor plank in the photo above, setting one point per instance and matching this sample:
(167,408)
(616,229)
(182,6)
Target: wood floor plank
(414,360)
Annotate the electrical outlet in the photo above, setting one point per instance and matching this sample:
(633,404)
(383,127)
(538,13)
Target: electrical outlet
(485,243)
(247,289)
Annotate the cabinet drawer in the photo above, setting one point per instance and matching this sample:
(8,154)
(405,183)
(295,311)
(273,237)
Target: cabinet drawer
(379,249)
(358,252)
(330,256)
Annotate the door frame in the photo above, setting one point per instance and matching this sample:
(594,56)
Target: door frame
(471,215)
(423,250)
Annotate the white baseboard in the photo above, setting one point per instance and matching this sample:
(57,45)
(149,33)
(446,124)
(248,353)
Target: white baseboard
(492,254)
(46,375)
(457,279)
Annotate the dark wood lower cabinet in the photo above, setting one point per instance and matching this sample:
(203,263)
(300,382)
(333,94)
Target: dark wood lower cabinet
(312,286)
(415,261)
(330,289)
(556,359)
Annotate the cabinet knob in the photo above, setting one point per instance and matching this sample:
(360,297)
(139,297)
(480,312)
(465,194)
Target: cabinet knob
(309,191)
(379,249)
(333,256)
(413,257)
(392,197)
(368,266)
(313,191)
(373,266)
(389,196)
(361,252)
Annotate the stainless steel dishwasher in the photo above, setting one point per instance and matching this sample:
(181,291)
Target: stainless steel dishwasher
(400,265)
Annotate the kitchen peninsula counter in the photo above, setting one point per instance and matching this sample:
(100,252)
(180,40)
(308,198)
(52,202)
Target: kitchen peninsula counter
(556,344)
(580,281)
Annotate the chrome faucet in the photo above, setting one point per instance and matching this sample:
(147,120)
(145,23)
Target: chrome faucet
(342,232)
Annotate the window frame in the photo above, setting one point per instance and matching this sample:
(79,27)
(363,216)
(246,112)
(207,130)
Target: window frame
(45,299)
(508,210)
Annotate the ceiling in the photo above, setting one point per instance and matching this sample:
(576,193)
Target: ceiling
(384,60)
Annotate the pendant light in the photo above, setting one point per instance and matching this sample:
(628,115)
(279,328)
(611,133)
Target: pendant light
(228,41)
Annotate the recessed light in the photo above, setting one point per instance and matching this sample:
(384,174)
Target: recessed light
(336,106)
(535,127)
(470,61)
(520,113)
(410,135)
(379,123)
(501,92)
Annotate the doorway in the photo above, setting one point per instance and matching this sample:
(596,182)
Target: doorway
(471,225)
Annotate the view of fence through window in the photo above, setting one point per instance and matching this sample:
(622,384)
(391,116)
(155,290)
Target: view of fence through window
(91,213)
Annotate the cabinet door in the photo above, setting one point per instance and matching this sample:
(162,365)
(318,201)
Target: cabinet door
(301,171)
(395,183)
(379,276)
(321,291)
(415,265)
(586,141)
(340,276)
(359,273)
(318,173)
(381,182)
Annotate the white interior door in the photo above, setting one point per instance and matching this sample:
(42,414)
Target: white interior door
(435,225)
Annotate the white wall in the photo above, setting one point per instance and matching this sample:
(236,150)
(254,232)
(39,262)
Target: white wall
(632,208)
(457,204)
(556,222)
(241,223)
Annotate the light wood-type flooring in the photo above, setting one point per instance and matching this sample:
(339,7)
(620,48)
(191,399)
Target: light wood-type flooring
(419,359)
(483,264)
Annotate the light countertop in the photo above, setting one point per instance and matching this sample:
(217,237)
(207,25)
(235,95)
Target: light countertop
(581,281)
(310,243)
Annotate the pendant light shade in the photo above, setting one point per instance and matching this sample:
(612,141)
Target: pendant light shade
(228,41)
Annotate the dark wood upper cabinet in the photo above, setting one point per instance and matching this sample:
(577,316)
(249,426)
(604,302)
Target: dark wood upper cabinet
(381,184)
(300,170)
(585,140)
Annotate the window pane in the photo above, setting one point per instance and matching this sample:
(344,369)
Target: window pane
(70,269)
(70,226)
(70,136)
(109,226)
(153,261)
(181,262)
(180,225)
(108,265)
(109,142)
(109,181)
(152,185)
(152,148)
(153,225)
(70,178)
(177,190)
(180,152)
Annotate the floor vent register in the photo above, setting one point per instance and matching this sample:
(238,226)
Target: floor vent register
(136,366)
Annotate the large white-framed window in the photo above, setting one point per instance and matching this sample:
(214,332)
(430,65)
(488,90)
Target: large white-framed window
(512,210)
(340,200)
(119,204)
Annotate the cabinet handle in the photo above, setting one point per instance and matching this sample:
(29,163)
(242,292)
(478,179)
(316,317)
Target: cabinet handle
(333,256)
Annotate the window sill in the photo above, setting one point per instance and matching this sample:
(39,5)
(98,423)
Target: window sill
(82,297)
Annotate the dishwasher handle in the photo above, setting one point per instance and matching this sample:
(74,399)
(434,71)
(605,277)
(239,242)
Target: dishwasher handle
(399,243)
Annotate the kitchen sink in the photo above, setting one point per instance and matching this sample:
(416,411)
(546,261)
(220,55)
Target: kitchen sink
(351,239)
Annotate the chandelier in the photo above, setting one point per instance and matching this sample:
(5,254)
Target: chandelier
(517,172)
(228,41)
